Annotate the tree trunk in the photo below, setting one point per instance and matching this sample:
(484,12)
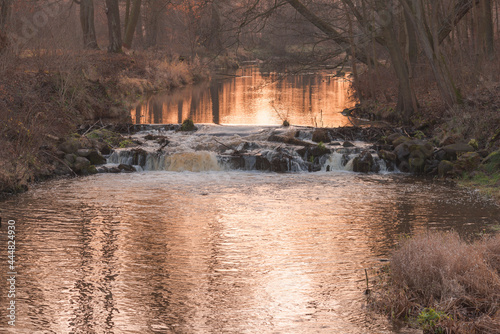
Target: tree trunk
(5,6)
(431,49)
(139,35)
(87,23)
(486,28)
(114,30)
(152,21)
(131,23)
(407,102)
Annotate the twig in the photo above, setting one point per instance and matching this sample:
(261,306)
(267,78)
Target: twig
(367,291)
(235,151)
(90,128)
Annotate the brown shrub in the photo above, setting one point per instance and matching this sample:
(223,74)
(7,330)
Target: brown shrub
(441,271)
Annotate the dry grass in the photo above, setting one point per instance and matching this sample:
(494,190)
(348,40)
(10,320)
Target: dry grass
(443,272)
(46,95)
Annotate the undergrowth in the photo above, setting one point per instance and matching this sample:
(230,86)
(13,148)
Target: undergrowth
(458,281)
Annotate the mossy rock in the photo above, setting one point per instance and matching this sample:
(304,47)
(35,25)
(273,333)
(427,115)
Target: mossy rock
(70,145)
(492,162)
(466,163)
(321,135)
(111,138)
(444,168)
(188,125)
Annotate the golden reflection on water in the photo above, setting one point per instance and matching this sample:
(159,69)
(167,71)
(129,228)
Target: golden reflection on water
(253,98)
(217,252)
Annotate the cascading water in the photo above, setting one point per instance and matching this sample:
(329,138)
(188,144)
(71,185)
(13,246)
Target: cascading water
(217,148)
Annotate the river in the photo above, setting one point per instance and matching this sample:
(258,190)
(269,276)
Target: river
(217,250)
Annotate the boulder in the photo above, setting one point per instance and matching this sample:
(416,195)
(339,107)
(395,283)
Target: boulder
(321,135)
(492,162)
(126,168)
(71,145)
(96,158)
(387,156)
(404,166)
(466,163)
(417,161)
(363,163)
(445,168)
(348,144)
(402,151)
(70,159)
(81,164)
(453,150)
(400,140)
(83,152)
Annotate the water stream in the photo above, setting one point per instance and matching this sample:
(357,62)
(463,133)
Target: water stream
(195,242)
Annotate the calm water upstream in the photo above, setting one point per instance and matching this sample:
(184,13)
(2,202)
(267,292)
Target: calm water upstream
(219,250)
(216,252)
(252,97)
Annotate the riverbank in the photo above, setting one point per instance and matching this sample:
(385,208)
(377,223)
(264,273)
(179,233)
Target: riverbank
(44,96)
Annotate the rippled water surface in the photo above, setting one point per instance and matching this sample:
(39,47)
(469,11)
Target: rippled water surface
(217,252)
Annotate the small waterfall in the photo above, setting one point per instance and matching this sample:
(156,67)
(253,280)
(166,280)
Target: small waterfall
(177,162)
(337,161)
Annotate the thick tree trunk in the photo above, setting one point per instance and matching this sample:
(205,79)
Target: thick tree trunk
(430,46)
(152,22)
(139,35)
(114,30)
(486,28)
(131,23)
(87,23)
(5,6)
(407,102)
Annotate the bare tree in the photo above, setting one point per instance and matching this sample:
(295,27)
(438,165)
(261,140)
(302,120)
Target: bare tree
(5,6)
(131,23)
(87,23)
(114,30)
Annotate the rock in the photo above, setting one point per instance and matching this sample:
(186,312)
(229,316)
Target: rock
(454,149)
(492,162)
(404,167)
(321,135)
(126,168)
(288,140)
(363,163)
(386,155)
(81,164)
(60,154)
(102,147)
(312,151)
(392,137)
(89,170)
(348,144)
(416,161)
(402,151)
(83,152)
(96,158)
(420,145)
(444,168)
(400,140)
(70,159)
(466,163)
(71,145)
(431,167)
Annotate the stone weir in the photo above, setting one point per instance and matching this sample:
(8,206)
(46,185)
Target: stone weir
(274,149)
